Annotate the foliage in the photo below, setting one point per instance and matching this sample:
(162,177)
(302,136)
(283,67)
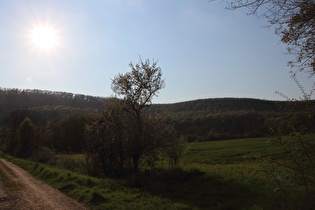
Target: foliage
(295,23)
(66,134)
(25,139)
(108,140)
(227,118)
(44,155)
(200,120)
(39,104)
(4,138)
(300,34)
(41,143)
(123,134)
(73,162)
(41,115)
(291,160)
(201,107)
(292,153)
(138,87)
(111,140)
(295,154)
(175,149)
(61,129)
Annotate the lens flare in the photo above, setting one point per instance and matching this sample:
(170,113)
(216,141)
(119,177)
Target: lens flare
(44,37)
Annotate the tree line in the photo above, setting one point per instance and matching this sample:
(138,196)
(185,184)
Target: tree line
(25,98)
(61,128)
(240,125)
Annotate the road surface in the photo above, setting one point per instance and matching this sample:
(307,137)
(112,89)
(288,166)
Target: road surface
(20,190)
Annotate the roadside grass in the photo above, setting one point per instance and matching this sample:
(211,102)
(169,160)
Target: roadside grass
(73,162)
(227,174)
(94,192)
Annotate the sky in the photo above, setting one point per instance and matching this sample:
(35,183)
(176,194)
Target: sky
(203,49)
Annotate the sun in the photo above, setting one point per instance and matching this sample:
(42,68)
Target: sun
(44,37)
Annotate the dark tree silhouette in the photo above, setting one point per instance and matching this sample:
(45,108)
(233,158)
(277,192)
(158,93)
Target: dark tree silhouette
(25,135)
(138,87)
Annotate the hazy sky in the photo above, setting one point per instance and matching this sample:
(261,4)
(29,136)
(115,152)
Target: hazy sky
(204,50)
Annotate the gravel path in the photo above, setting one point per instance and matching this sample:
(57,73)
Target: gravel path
(20,190)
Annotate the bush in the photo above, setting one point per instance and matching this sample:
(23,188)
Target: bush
(45,155)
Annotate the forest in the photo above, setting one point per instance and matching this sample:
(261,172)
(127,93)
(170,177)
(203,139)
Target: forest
(63,116)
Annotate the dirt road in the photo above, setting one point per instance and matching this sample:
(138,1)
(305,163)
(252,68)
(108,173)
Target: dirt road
(20,190)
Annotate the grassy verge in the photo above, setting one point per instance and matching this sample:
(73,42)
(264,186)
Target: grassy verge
(189,189)
(216,175)
(96,193)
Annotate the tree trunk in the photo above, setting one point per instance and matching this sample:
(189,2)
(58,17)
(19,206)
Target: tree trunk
(135,159)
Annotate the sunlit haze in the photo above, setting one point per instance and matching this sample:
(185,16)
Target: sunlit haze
(203,49)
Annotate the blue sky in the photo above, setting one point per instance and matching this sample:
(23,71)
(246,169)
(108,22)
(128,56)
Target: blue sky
(204,50)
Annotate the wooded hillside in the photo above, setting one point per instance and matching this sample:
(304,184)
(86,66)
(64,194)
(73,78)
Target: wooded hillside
(198,120)
(43,104)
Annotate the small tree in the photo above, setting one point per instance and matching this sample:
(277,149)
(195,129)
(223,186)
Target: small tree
(108,139)
(138,88)
(111,145)
(123,135)
(25,136)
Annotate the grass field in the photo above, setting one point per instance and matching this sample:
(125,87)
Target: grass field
(226,174)
(214,152)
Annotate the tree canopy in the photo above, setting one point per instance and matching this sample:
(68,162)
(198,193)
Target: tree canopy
(139,86)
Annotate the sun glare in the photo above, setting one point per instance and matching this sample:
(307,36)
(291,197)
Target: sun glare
(44,37)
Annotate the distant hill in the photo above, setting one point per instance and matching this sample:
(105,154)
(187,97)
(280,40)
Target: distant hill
(44,102)
(24,98)
(227,118)
(203,107)
(33,98)
(204,119)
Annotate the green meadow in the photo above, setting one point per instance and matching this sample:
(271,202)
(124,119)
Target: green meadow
(229,174)
(214,152)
